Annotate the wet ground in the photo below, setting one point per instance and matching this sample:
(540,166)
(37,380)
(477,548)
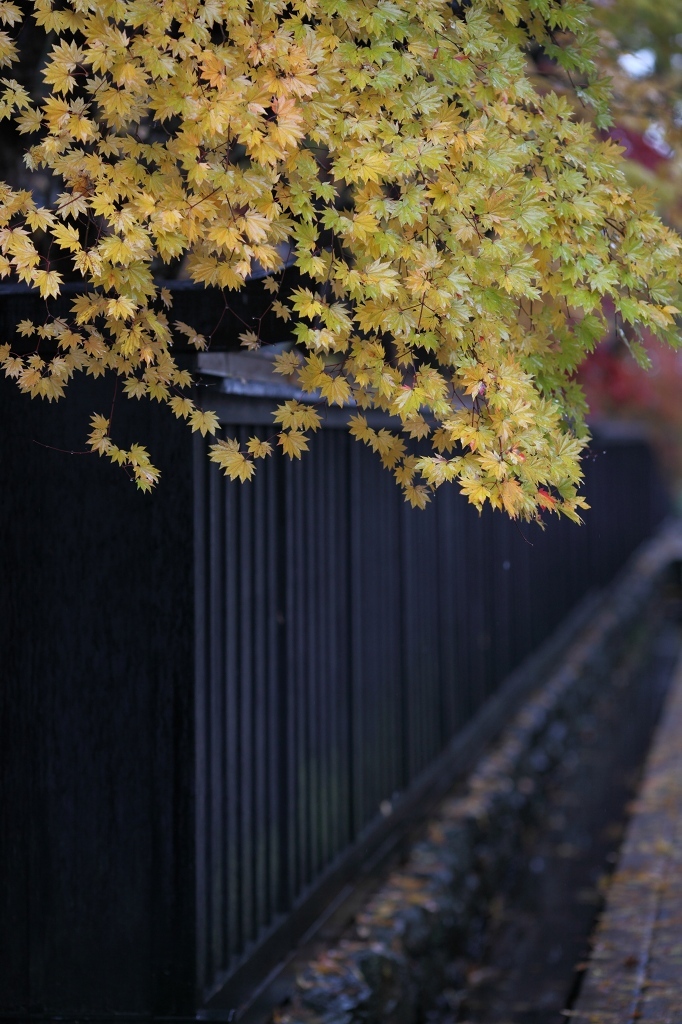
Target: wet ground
(539,938)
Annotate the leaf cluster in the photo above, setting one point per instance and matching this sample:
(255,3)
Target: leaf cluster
(457,228)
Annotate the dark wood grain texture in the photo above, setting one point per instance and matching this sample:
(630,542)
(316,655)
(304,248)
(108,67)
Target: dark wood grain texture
(97,672)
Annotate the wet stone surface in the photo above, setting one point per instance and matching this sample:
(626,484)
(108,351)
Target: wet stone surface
(540,930)
(635,969)
(492,910)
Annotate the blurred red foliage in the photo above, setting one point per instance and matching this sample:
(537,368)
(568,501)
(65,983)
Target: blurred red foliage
(616,387)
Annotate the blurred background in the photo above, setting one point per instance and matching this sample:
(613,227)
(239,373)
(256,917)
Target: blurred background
(631,378)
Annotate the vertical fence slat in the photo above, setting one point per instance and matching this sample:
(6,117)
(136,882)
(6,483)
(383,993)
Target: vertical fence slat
(260,710)
(246,767)
(276,716)
(202,672)
(216,743)
(230,639)
(291,883)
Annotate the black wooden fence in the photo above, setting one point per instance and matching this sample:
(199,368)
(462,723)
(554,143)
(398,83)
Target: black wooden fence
(343,640)
(211,718)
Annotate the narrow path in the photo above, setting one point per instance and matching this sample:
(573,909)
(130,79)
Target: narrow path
(635,972)
(548,913)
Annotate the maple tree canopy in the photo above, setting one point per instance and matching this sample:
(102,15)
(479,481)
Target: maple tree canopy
(457,226)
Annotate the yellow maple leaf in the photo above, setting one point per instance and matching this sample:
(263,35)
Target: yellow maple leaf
(258,448)
(48,281)
(204,421)
(293,442)
(418,496)
(336,390)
